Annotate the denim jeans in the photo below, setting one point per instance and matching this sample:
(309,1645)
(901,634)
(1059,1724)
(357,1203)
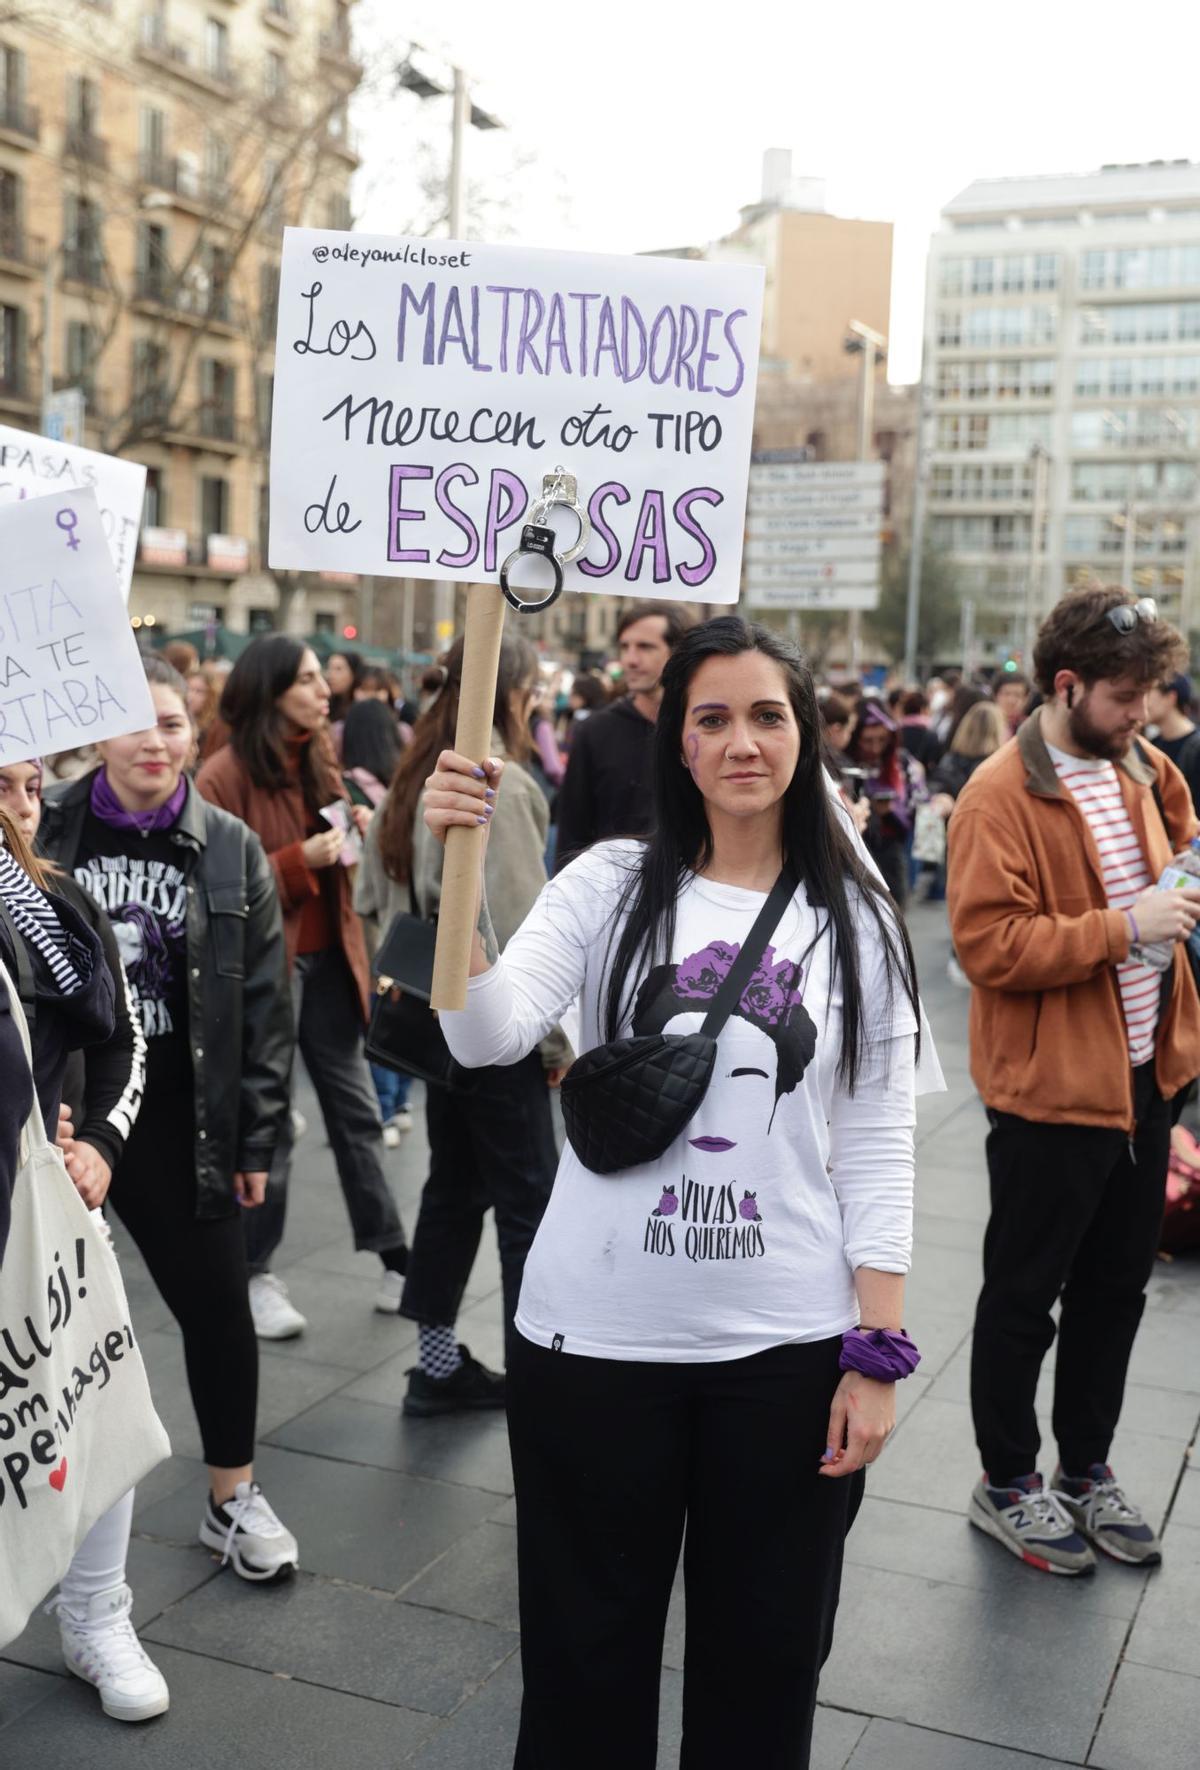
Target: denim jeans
(329,1032)
(391,1089)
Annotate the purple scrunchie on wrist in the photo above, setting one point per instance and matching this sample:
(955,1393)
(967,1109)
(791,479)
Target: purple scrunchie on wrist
(878,1353)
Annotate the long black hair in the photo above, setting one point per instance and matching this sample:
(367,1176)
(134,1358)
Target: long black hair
(267,669)
(371,740)
(816,846)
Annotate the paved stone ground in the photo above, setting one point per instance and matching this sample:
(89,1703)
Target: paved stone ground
(397,1644)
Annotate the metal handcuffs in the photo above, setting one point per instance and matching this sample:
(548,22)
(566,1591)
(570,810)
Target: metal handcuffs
(537,537)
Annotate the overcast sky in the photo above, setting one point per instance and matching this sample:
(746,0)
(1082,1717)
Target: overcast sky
(642,125)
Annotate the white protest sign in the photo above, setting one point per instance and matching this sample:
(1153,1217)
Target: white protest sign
(31,466)
(423,392)
(70,671)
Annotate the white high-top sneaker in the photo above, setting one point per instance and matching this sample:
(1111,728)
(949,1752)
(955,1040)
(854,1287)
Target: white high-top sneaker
(100,1646)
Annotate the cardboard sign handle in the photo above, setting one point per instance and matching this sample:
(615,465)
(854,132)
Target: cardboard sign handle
(473,737)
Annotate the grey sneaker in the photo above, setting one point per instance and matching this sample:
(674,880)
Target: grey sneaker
(1033,1524)
(247,1533)
(1101,1511)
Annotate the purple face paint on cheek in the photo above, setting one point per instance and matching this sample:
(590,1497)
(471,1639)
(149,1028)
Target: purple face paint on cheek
(692,743)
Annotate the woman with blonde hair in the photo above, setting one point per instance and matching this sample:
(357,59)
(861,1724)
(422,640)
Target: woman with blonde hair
(981,732)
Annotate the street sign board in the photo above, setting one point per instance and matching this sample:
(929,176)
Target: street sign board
(813,534)
(62,416)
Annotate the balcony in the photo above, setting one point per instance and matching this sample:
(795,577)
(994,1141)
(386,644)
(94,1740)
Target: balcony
(21,254)
(20,123)
(197,192)
(191,298)
(81,265)
(276,14)
(164,549)
(213,428)
(336,52)
(82,144)
(15,391)
(215,74)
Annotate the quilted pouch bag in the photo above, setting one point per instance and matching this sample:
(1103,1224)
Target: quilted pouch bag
(625,1103)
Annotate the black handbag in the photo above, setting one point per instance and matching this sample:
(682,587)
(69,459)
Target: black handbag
(403,1031)
(626,1102)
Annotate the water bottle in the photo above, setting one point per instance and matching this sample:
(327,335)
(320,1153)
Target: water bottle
(1181,872)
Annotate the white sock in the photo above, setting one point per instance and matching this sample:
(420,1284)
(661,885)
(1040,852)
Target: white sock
(99,1562)
(438,1353)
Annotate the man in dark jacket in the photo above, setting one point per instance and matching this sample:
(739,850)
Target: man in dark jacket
(607,788)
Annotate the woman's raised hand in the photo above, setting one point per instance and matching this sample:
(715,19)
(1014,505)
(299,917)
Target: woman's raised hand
(460,791)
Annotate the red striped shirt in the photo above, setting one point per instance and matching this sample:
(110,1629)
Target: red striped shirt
(1097,792)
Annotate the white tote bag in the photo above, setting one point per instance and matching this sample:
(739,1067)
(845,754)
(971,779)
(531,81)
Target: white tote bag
(77,1426)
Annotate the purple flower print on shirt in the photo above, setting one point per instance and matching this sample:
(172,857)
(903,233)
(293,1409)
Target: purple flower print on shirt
(769,997)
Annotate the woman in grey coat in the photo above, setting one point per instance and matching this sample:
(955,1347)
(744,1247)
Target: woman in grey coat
(494,1146)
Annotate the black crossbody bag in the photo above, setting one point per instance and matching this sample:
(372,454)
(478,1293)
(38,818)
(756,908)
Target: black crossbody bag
(626,1102)
(403,1031)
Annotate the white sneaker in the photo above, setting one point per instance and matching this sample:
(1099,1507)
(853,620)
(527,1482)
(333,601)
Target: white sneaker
(249,1535)
(402,1120)
(275,1316)
(299,1124)
(100,1646)
(391,1135)
(956,974)
(387,1297)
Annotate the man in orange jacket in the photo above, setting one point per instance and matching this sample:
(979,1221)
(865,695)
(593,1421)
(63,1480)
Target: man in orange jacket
(1078,1044)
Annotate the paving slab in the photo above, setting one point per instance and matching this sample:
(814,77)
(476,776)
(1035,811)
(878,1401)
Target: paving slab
(887,1746)
(374,1527)
(1152,1722)
(1167,1631)
(340,1638)
(482,1733)
(159,1575)
(470,1450)
(220,1715)
(943,1659)
(21,1689)
(1186,1509)
(942,1547)
(476,1577)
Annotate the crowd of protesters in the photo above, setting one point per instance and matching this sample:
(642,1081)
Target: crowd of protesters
(639,817)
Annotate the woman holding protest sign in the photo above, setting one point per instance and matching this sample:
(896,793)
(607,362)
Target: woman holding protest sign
(64,955)
(279,775)
(693,1348)
(193,905)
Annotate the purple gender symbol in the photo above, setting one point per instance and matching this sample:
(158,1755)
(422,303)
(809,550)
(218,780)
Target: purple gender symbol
(68,522)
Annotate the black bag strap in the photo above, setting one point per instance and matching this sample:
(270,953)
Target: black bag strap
(746,963)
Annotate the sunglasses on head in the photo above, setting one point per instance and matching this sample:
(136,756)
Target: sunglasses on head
(1126,615)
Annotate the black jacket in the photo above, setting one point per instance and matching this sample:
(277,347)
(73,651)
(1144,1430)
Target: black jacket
(608,789)
(58,1025)
(240,1026)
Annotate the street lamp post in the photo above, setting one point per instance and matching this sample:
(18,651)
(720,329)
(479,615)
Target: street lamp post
(872,347)
(412,76)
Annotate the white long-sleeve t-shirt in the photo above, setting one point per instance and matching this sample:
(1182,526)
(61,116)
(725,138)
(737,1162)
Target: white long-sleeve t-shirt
(746,1233)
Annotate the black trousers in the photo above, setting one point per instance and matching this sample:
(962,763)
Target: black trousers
(1076,1214)
(199,1266)
(493,1147)
(329,1033)
(610,1461)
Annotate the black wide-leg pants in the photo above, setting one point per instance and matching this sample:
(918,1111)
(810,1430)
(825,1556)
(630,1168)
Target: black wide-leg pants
(612,1460)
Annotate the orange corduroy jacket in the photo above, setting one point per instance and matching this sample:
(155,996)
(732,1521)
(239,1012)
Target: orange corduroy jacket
(1033,931)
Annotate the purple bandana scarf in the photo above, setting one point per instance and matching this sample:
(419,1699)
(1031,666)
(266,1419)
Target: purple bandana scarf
(108,808)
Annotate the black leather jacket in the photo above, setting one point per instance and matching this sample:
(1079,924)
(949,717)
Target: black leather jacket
(240,1025)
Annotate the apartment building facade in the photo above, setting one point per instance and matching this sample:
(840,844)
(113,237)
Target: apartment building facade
(1062,386)
(151,152)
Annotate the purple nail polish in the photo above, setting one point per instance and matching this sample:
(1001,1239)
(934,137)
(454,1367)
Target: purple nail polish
(489,792)
(829,1454)
(479,774)
(481,820)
